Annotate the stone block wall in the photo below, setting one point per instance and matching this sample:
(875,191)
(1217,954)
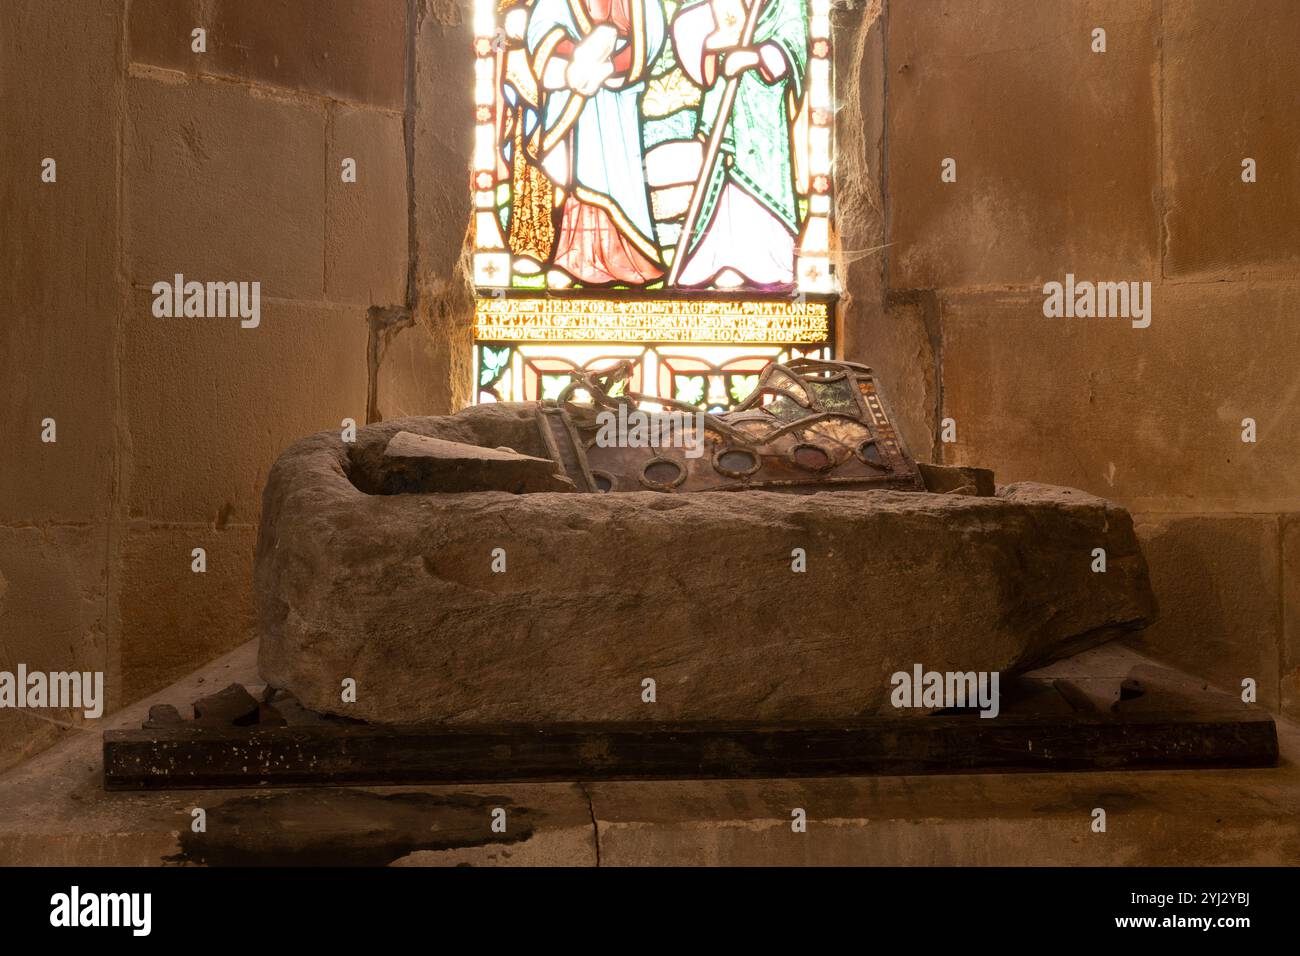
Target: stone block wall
(1123,165)
(221,165)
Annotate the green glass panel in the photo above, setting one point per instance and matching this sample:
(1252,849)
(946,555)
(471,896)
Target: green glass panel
(689,388)
(553,385)
(742,386)
(835,396)
(492,361)
(680,124)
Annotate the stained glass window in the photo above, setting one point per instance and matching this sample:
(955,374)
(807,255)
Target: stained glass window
(651,183)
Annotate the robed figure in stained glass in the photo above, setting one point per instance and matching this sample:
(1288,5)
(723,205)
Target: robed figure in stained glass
(530,213)
(591,58)
(746,225)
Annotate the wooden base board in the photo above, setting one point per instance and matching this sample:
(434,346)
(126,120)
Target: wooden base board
(1097,711)
(363,755)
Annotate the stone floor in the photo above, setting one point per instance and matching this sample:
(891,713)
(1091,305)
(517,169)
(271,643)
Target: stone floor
(54,811)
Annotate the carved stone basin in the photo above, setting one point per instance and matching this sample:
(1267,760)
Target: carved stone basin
(474,607)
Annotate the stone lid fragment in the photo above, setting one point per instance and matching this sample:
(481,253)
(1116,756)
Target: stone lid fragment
(420,464)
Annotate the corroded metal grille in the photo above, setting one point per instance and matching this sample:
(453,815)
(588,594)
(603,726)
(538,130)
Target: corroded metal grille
(809,425)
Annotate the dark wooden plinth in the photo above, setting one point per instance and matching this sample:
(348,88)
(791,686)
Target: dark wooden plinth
(192,757)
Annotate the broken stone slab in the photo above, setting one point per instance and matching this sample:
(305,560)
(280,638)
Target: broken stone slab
(232,707)
(420,464)
(293,714)
(957,480)
(601,593)
(163,715)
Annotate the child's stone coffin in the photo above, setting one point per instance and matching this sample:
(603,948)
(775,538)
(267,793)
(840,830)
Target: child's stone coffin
(488,606)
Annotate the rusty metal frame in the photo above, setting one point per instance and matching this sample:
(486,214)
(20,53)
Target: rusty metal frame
(568,430)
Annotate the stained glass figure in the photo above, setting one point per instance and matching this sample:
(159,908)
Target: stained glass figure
(661,154)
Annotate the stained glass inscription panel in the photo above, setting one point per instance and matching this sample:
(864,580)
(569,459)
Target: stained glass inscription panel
(706,352)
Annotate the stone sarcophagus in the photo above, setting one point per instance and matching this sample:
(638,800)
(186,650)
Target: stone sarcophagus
(462,569)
